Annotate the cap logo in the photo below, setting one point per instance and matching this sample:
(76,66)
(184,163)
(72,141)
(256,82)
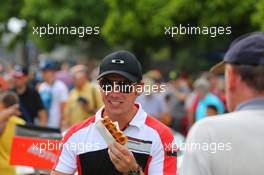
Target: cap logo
(118,61)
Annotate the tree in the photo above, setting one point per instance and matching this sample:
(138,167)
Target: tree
(64,13)
(140,25)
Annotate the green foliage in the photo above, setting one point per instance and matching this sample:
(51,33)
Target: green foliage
(258,15)
(138,25)
(65,13)
(10,8)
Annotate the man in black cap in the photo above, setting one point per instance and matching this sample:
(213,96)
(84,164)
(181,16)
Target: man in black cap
(30,103)
(147,150)
(232,144)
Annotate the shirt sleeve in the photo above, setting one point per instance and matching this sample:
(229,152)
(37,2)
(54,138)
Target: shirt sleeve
(66,159)
(39,104)
(63,91)
(164,158)
(196,161)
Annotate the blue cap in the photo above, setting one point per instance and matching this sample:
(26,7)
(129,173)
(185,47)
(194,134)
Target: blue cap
(47,65)
(248,49)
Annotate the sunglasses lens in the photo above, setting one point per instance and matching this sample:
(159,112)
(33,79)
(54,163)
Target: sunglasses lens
(122,86)
(126,87)
(106,85)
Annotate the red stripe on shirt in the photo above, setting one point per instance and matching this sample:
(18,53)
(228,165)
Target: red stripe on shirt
(79,166)
(166,136)
(147,165)
(71,131)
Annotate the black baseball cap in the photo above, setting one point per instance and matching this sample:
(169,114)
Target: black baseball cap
(248,49)
(123,63)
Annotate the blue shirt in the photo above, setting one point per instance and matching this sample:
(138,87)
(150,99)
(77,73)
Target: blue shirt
(255,103)
(209,99)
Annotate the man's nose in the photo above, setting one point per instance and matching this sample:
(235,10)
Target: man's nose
(115,92)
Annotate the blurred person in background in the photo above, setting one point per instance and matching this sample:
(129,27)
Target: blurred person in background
(211,110)
(84,99)
(205,97)
(213,81)
(9,108)
(54,94)
(5,114)
(4,84)
(175,96)
(94,74)
(239,134)
(30,103)
(216,85)
(64,75)
(152,102)
(190,105)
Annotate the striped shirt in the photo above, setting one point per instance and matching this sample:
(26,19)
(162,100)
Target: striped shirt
(84,149)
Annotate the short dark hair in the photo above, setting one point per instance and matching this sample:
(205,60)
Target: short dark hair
(252,75)
(8,98)
(213,107)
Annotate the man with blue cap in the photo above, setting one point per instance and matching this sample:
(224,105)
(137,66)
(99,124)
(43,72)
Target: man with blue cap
(233,143)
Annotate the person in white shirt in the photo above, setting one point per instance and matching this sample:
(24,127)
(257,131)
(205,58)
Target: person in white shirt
(54,94)
(233,144)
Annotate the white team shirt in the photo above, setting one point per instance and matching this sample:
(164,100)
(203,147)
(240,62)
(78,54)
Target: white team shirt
(85,150)
(58,92)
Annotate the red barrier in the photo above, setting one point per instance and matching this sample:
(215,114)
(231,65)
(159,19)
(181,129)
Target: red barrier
(38,153)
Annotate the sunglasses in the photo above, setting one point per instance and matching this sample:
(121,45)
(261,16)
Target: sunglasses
(116,86)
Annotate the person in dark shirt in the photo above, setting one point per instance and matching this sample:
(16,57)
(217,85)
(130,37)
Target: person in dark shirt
(30,102)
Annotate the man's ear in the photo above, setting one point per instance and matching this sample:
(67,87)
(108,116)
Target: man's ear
(232,77)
